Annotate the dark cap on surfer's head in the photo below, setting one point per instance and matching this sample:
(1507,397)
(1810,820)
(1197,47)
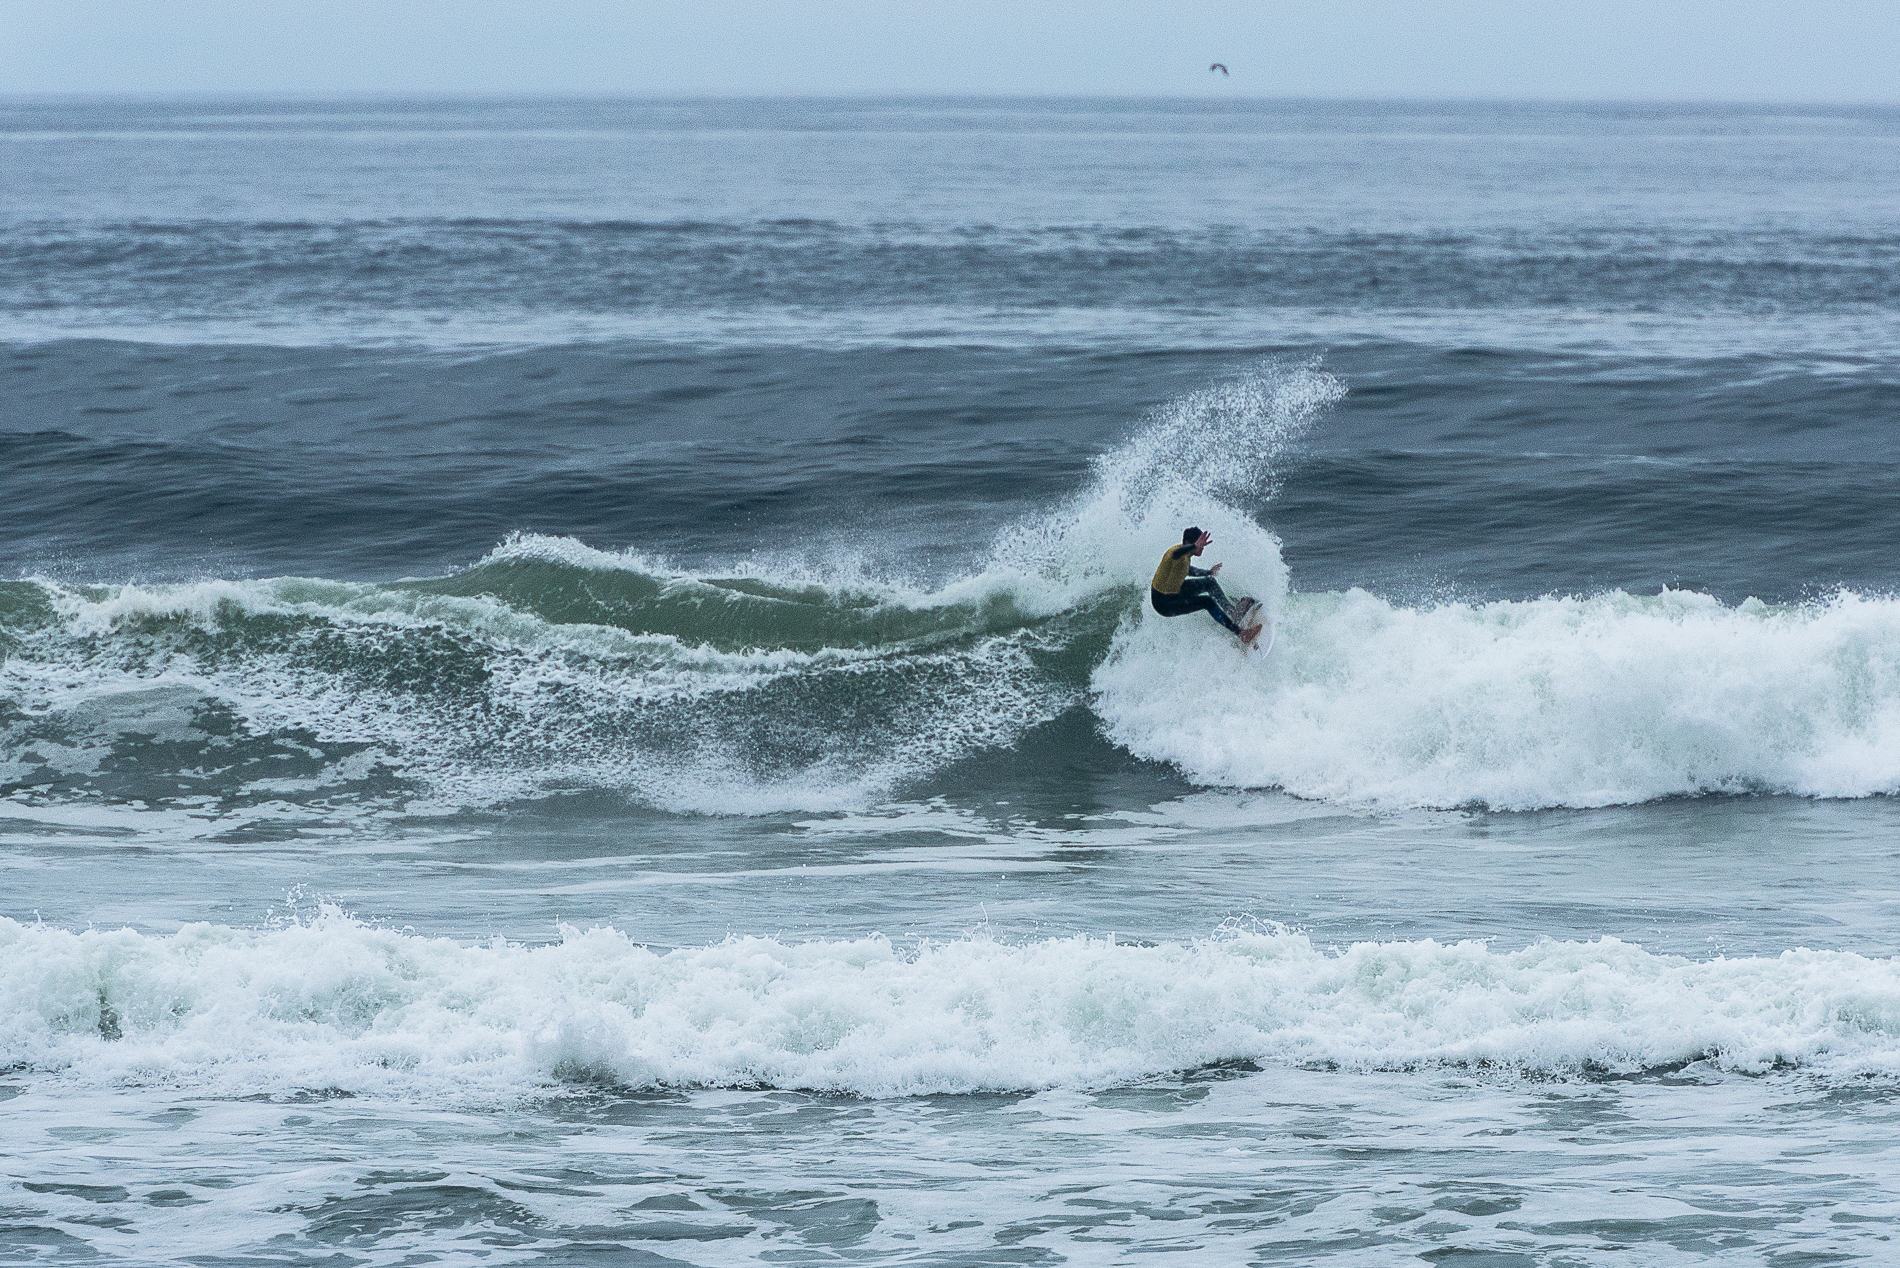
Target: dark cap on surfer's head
(1190,536)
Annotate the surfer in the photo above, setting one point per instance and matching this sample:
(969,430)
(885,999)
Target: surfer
(1179,587)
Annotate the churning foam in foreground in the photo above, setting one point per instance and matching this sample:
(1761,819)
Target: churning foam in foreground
(333,1004)
(1600,701)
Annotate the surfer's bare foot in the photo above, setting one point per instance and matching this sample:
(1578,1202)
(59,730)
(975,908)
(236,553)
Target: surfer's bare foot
(1251,635)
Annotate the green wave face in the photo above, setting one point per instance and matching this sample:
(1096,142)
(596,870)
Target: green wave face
(727,613)
(24,606)
(519,678)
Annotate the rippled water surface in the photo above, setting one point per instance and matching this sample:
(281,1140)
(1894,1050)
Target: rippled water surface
(575,683)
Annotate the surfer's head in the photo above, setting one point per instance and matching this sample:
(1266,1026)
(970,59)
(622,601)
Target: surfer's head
(1197,539)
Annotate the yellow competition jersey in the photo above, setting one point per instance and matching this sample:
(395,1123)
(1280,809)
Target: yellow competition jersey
(1174,569)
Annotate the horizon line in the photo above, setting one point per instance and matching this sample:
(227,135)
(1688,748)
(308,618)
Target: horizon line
(527,95)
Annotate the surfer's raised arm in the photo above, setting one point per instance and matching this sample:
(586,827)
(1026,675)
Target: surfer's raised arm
(1179,588)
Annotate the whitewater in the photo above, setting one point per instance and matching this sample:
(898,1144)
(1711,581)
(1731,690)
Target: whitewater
(332,1004)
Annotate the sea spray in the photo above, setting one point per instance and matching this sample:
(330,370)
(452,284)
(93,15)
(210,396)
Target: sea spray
(1212,458)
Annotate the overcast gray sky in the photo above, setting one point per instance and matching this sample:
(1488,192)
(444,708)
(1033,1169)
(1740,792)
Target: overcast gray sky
(1815,50)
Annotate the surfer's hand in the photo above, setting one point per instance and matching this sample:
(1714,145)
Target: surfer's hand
(1213,570)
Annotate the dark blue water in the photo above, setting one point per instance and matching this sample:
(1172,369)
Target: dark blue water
(575,681)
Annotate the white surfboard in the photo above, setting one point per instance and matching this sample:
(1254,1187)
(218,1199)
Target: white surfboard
(1262,644)
(1263,641)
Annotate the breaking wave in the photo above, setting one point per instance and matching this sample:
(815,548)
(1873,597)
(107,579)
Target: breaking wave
(768,684)
(760,686)
(332,1004)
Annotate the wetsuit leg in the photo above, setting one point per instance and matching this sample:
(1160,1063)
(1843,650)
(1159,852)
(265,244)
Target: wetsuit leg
(1209,589)
(1198,594)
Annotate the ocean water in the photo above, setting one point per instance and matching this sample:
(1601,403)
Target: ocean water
(575,683)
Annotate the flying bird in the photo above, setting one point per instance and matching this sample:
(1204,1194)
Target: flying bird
(1217,67)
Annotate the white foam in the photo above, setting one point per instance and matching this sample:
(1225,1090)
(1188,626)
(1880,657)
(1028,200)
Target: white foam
(333,1004)
(1553,702)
